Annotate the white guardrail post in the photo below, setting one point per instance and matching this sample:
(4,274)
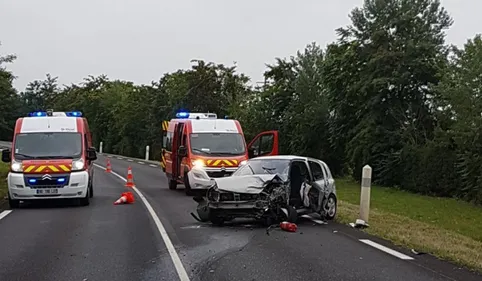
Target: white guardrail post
(365,193)
(100,147)
(147,153)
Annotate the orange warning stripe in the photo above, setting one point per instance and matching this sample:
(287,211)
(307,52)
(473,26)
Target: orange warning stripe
(222,162)
(163,161)
(165,125)
(44,168)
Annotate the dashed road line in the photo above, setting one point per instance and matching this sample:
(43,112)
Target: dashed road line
(130,160)
(152,165)
(386,249)
(120,158)
(140,162)
(181,271)
(5,213)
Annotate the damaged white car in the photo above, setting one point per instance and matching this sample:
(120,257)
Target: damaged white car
(269,189)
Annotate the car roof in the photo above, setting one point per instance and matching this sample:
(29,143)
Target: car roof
(286,157)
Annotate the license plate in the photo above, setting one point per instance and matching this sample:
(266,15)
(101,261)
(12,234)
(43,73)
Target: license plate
(48,191)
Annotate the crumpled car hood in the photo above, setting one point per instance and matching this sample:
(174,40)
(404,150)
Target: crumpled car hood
(251,184)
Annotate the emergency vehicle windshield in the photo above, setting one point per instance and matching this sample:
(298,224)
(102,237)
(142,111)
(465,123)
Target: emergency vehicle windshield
(217,144)
(48,146)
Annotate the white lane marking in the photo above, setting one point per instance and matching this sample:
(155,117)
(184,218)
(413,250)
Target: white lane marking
(4,213)
(130,160)
(152,165)
(120,158)
(140,162)
(386,250)
(181,271)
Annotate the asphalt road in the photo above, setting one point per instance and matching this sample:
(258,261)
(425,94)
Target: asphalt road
(106,242)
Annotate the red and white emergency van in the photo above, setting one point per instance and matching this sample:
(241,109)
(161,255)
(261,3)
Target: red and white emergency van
(216,145)
(51,157)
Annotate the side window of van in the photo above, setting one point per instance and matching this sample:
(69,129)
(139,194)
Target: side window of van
(169,141)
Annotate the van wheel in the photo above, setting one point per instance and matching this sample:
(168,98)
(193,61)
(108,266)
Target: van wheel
(14,204)
(91,190)
(86,200)
(172,184)
(187,186)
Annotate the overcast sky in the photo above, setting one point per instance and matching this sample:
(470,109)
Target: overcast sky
(139,40)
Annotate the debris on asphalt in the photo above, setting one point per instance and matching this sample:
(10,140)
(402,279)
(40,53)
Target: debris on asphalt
(359,224)
(416,252)
(288,226)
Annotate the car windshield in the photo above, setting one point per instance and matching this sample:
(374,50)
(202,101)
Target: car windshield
(264,166)
(217,144)
(48,146)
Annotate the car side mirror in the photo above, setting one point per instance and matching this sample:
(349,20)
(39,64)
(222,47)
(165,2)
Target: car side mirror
(182,151)
(91,154)
(6,156)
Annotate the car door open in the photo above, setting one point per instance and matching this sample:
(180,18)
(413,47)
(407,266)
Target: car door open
(265,143)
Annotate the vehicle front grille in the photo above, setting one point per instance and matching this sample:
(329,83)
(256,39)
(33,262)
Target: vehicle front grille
(238,197)
(53,181)
(218,174)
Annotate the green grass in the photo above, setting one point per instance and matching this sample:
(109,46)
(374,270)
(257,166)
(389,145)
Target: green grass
(447,228)
(3,182)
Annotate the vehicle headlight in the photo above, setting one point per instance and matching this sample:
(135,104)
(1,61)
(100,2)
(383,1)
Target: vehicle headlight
(214,195)
(243,163)
(78,165)
(16,166)
(199,163)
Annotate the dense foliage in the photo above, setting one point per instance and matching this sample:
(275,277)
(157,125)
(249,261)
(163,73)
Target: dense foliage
(389,92)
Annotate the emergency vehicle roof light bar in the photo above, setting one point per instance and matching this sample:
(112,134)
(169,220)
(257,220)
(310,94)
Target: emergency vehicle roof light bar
(74,114)
(37,114)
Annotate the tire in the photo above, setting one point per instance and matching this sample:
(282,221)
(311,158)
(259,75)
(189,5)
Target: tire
(14,204)
(172,184)
(91,189)
(187,186)
(86,200)
(330,214)
(217,221)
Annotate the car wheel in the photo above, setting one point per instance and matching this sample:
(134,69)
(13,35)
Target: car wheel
(172,184)
(218,221)
(86,200)
(187,186)
(331,207)
(14,204)
(91,190)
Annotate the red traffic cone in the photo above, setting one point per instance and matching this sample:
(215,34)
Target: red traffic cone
(130,178)
(126,198)
(109,167)
(288,226)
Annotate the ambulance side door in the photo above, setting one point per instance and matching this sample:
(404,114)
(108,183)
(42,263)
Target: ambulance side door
(178,151)
(165,126)
(265,143)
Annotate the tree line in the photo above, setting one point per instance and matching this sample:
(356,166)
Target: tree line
(389,92)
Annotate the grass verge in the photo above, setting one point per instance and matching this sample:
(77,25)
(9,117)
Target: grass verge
(446,228)
(3,182)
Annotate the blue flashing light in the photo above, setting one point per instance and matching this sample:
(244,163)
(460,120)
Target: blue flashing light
(32,180)
(182,115)
(37,114)
(60,180)
(74,114)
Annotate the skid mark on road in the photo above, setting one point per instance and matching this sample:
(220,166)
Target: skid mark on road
(5,213)
(181,271)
